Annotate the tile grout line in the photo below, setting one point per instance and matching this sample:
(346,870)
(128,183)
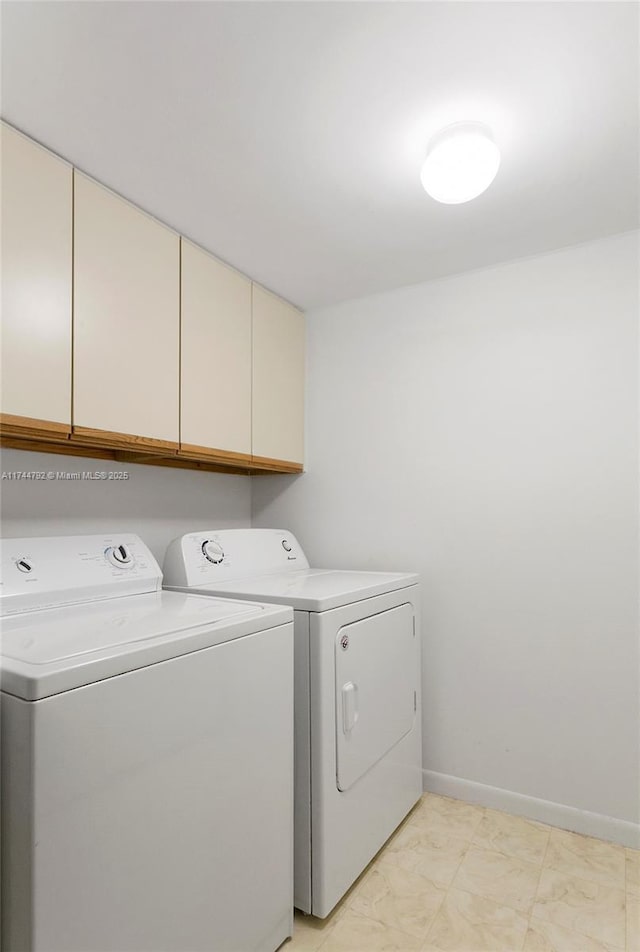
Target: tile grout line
(586,878)
(397,928)
(387,925)
(444,898)
(494,902)
(535,895)
(470,845)
(426,878)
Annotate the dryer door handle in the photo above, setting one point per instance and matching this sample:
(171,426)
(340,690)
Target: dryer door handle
(350,711)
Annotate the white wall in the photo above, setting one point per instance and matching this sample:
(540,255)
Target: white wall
(482,430)
(156,502)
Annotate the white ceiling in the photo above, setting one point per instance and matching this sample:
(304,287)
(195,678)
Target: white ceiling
(287,137)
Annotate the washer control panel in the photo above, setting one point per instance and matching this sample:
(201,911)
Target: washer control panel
(65,570)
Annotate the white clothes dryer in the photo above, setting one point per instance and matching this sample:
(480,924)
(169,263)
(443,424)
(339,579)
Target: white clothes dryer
(147,757)
(358,751)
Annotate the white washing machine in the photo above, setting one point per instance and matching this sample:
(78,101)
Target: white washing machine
(358,763)
(147,757)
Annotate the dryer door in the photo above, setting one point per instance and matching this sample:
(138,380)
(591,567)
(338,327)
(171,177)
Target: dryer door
(376,678)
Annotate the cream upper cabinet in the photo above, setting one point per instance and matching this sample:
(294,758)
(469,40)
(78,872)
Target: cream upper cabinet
(278,378)
(126,317)
(36,281)
(215,407)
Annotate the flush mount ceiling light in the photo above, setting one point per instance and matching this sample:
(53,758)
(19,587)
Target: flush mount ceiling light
(462,161)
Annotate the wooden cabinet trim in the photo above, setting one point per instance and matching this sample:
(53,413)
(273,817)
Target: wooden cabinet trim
(31,428)
(127,441)
(193,451)
(45,446)
(178,462)
(267,464)
(125,448)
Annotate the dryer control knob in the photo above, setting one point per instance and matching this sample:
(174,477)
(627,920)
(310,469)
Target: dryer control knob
(24,565)
(120,556)
(212,551)
(286,545)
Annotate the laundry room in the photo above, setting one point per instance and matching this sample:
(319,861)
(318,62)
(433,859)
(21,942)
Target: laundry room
(319,502)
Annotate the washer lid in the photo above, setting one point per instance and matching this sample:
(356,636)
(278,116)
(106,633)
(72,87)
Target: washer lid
(312,590)
(50,651)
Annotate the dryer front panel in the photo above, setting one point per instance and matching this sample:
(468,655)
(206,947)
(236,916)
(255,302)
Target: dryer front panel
(375,689)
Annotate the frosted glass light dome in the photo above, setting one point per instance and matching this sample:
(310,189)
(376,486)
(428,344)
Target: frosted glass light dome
(462,162)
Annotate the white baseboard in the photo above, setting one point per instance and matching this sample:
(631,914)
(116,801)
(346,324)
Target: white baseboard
(545,811)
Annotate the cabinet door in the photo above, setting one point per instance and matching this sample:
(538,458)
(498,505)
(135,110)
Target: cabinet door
(36,282)
(278,378)
(126,318)
(215,377)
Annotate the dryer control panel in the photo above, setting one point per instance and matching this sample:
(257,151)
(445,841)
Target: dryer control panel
(66,570)
(223,555)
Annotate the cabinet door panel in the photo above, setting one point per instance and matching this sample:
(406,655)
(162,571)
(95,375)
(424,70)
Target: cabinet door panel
(278,378)
(215,353)
(36,281)
(126,317)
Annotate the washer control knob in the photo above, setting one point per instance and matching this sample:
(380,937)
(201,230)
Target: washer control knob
(212,551)
(24,565)
(120,556)
(286,545)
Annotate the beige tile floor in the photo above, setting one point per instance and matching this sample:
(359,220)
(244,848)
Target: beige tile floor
(461,878)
